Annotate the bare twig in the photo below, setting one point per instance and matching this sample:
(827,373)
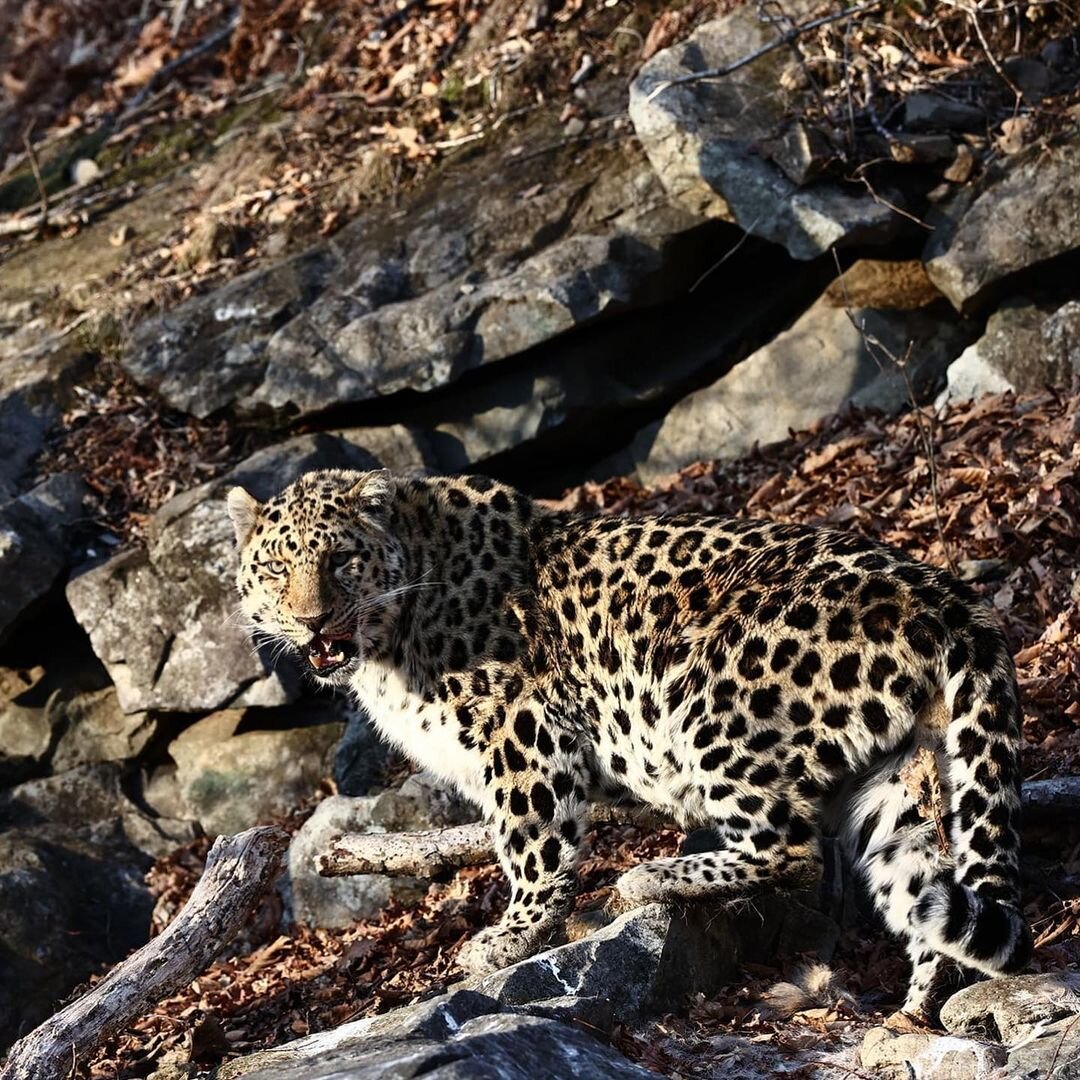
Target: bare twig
(36,169)
(972,12)
(212,41)
(747,232)
(757,54)
(238,872)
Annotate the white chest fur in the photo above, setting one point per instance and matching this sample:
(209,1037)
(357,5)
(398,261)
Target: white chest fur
(426,732)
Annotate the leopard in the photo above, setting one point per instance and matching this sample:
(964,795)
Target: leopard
(773,683)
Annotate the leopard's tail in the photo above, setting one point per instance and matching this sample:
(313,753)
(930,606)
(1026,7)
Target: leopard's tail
(973,914)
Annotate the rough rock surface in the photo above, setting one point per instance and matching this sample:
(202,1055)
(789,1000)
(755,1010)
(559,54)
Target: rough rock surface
(35,535)
(95,728)
(1026,347)
(435,1019)
(1029,214)
(1010,1009)
(921,1053)
(711,142)
(72,896)
(1052,1053)
(338,902)
(34,702)
(361,756)
(647,959)
(834,357)
(421,802)
(231,781)
(36,372)
(469,275)
(26,733)
(504,1047)
(161,619)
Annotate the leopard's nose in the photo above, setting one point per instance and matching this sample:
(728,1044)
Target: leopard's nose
(314,622)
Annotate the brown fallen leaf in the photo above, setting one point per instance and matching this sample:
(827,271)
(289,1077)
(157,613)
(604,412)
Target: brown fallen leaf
(923,782)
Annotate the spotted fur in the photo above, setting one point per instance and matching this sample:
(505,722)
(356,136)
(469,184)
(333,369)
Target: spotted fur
(746,676)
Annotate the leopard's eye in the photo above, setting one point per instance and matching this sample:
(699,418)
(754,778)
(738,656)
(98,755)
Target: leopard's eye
(275,567)
(339,559)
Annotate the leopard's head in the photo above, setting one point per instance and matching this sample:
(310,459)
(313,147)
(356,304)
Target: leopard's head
(319,568)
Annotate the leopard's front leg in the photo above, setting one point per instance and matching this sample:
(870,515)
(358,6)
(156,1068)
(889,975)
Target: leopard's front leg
(535,787)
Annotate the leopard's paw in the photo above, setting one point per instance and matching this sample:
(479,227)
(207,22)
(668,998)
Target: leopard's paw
(493,949)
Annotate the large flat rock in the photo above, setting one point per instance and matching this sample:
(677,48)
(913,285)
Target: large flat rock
(715,143)
(500,1047)
(161,618)
(230,780)
(478,268)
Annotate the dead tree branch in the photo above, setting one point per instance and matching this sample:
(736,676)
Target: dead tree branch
(429,852)
(238,872)
(432,851)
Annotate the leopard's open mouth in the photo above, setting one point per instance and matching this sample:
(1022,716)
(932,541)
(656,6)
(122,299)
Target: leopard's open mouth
(329,654)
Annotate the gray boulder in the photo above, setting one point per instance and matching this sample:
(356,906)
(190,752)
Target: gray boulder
(421,802)
(490,1047)
(646,960)
(229,781)
(37,371)
(339,902)
(361,756)
(95,729)
(467,274)
(161,619)
(1012,1009)
(72,896)
(921,1053)
(437,1018)
(826,360)
(427,342)
(210,351)
(720,149)
(36,544)
(1026,347)
(26,731)
(1051,1053)
(1027,214)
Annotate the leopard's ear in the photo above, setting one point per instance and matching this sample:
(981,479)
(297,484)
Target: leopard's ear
(244,511)
(371,494)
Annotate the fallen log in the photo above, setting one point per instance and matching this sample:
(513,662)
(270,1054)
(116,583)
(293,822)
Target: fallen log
(1051,800)
(239,870)
(428,852)
(424,853)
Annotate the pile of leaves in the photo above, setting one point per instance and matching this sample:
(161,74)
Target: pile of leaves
(1003,77)
(134,453)
(358,99)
